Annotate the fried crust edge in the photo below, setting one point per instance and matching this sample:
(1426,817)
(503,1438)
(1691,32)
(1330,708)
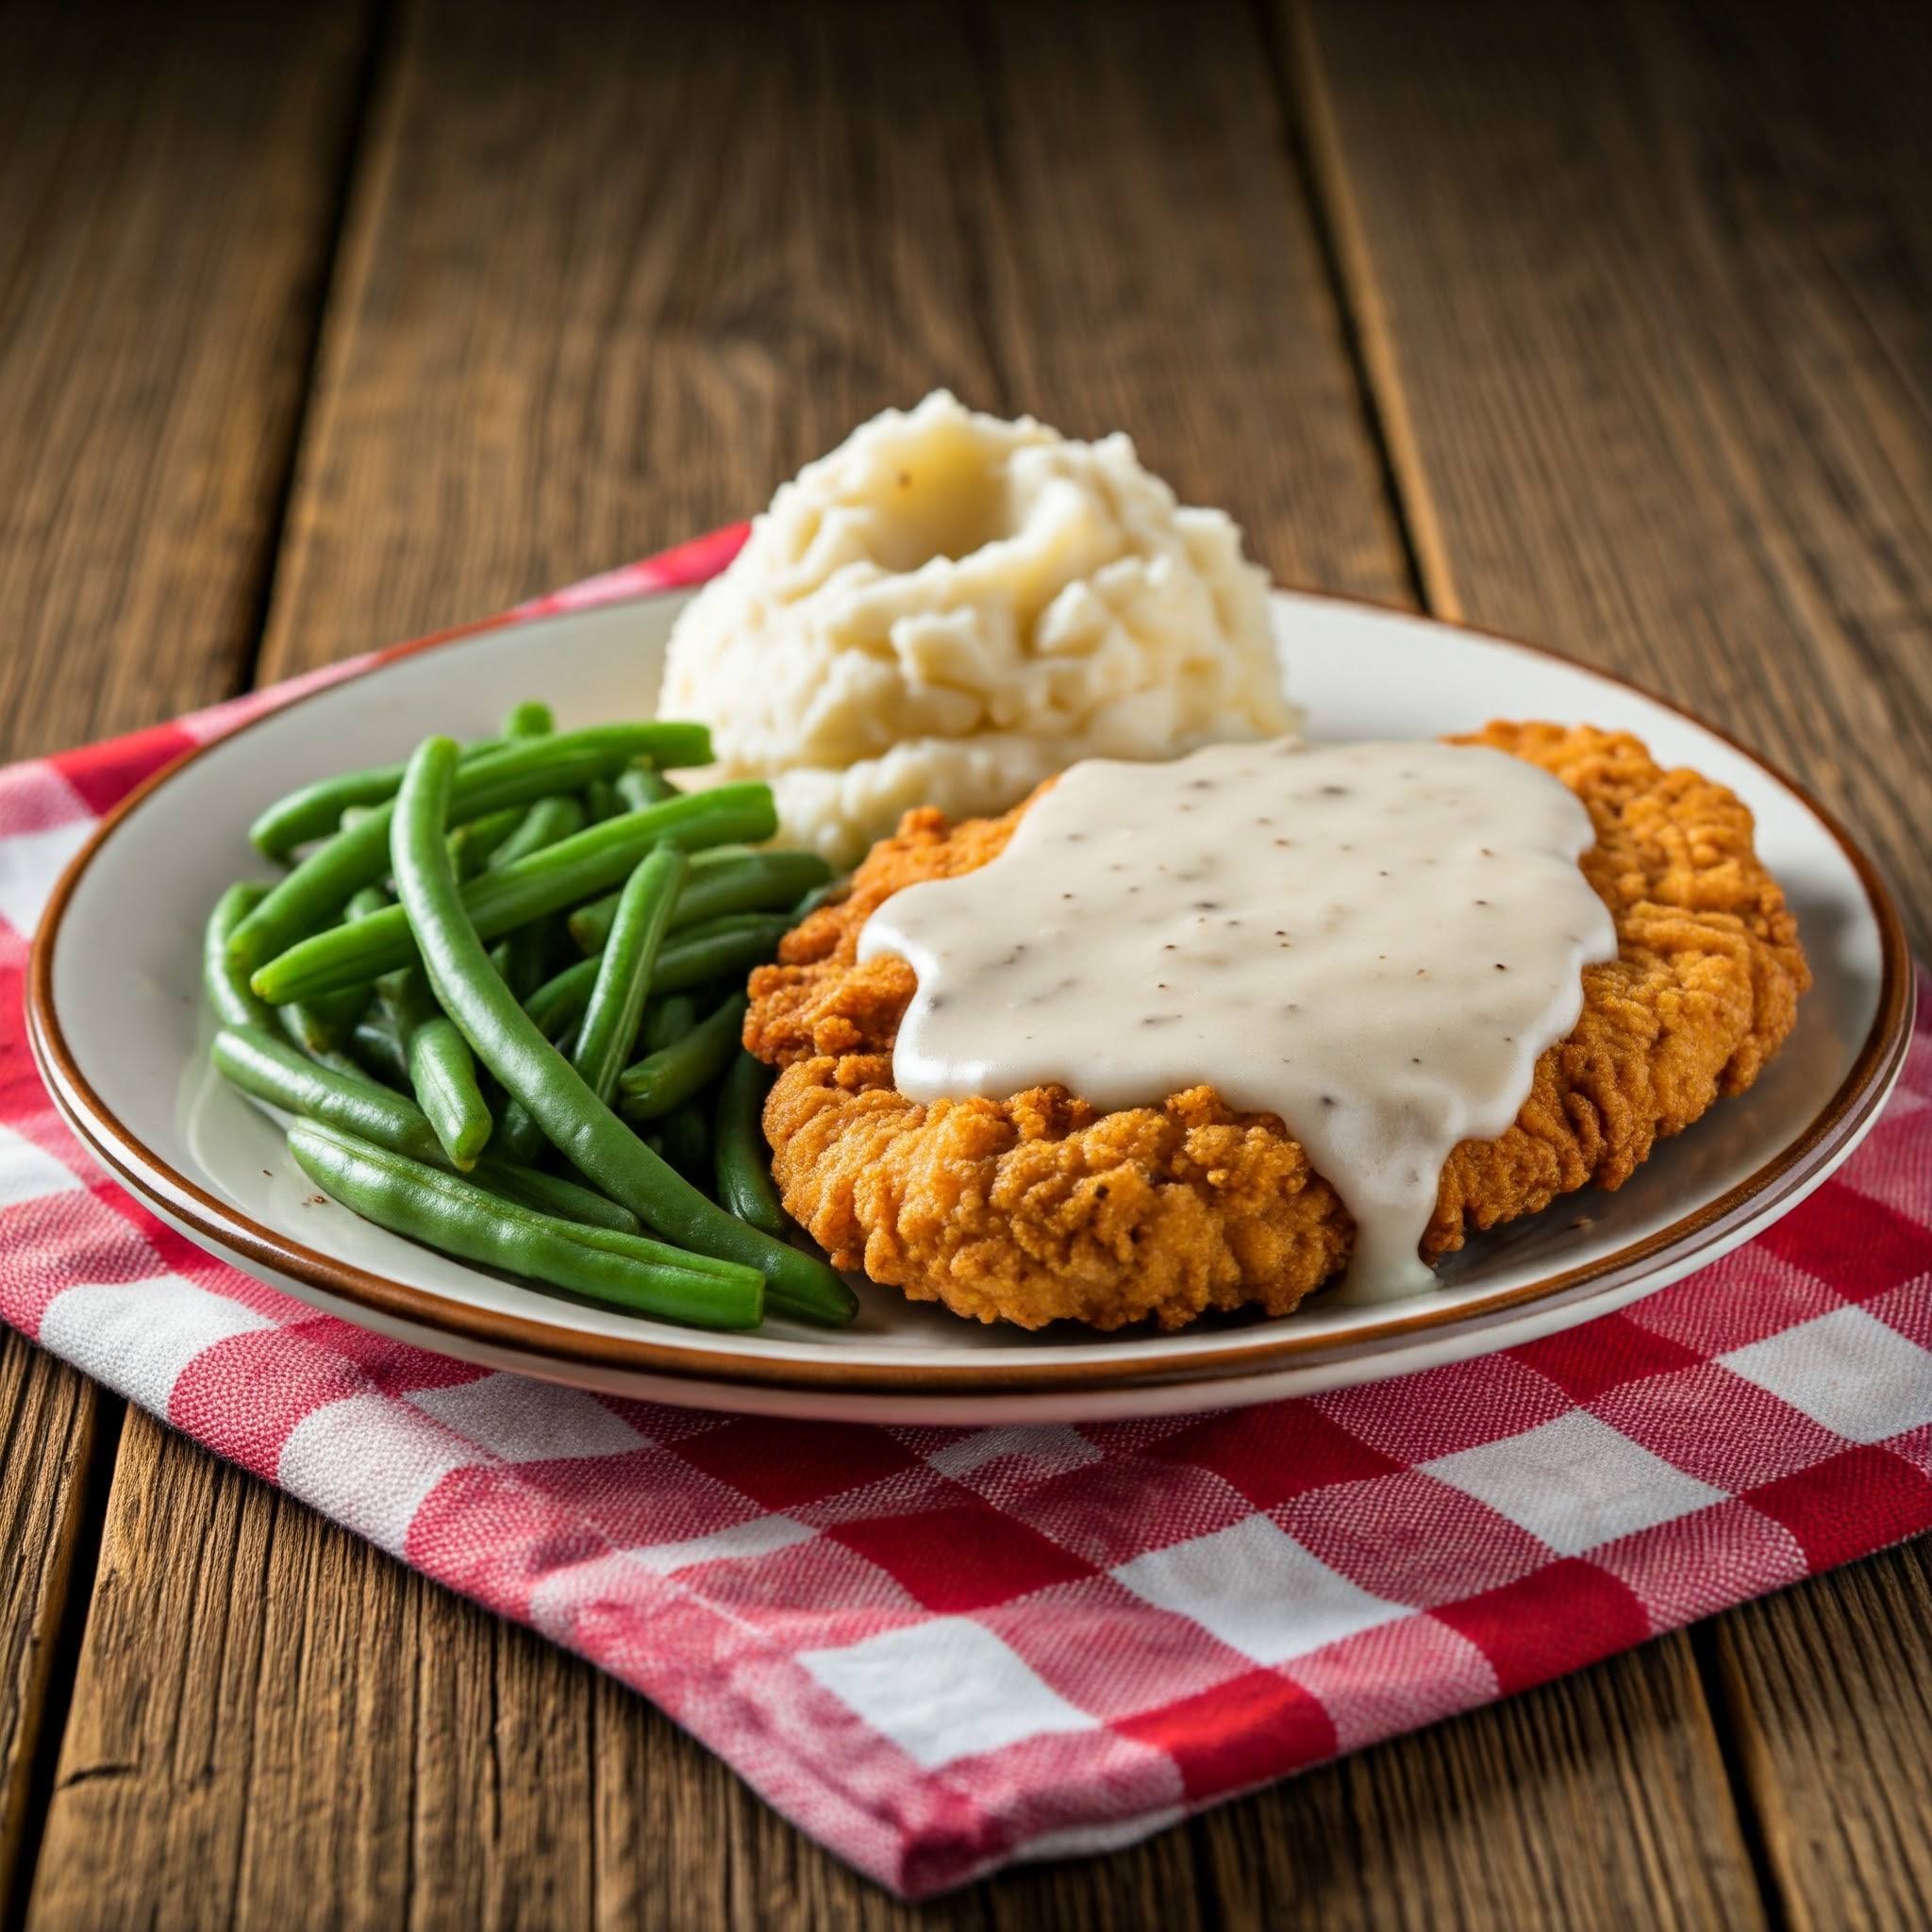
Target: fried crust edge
(1042,1209)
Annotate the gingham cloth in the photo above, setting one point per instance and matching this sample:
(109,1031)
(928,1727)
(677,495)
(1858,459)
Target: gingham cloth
(939,1650)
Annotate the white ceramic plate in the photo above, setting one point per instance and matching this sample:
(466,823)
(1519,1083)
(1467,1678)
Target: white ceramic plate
(119,1029)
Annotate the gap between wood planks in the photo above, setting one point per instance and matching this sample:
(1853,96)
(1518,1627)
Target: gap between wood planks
(77,1593)
(377,62)
(1316,160)
(1718,1696)
(1307,183)
(1779,293)
(72,1588)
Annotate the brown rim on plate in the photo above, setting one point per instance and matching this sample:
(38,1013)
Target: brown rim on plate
(1788,1174)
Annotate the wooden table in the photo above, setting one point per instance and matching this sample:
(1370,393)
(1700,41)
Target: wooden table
(321,326)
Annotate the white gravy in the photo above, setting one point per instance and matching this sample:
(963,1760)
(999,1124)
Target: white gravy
(1373,941)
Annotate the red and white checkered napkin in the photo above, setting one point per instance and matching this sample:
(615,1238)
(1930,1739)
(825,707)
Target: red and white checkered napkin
(939,1650)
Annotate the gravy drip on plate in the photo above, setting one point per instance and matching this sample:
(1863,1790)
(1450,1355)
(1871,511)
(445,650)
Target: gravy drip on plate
(1373,941)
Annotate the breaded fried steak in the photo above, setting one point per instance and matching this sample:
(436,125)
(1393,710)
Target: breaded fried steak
(1041,1208)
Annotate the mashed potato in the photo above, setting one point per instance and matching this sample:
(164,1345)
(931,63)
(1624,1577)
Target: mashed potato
(949,608)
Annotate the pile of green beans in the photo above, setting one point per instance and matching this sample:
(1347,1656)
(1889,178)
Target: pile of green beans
(499,990)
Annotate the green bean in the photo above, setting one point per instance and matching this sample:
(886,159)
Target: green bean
(545,824)
(508,1042)
(527,957)
(762,882)
(443,1071)
(590,925)
(227,988)
(375,1047)
(518,1138)
(255,1060)
(348,1014)
(641,785)
(601,801)
(550,1194)
(673,1073)
(487,844)
(735,882)
(321,808)
(512,775)
(471,846)
(559,1003)
(526,951)
(443,1212)
(340,1012)
(730,945)
(268,1070)
(644,1248)
(547,882)
(741,1162)
(323,1027)
(623,975)
(316,810)
(722,946)
(686,1135)
(820,896)
(668,1019)
(325,1024)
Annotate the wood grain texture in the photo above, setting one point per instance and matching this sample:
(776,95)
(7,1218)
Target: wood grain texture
(1599,1801)
(1645,297)
(1150,266)
(605,289)
(276,1725)
(165,192)
(609,278)
(127,1729)
(47,1418)
(1829,1690)
(167,196)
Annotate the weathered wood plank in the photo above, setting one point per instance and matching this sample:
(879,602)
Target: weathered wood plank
(1829,1692)
(604,290)
(1653,360)
(687,319)
(1599,1801)
(47,1420)
(167,198)
(129,1730)
(245,1777)
(1644,295)
(165,206)
(1150,266)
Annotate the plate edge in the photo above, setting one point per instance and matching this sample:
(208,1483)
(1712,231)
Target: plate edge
(1826,1140)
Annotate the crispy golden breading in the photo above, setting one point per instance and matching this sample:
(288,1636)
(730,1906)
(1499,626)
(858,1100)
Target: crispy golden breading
(1041,1208)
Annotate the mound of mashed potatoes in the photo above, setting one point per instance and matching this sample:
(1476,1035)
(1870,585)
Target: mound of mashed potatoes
(949,608)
